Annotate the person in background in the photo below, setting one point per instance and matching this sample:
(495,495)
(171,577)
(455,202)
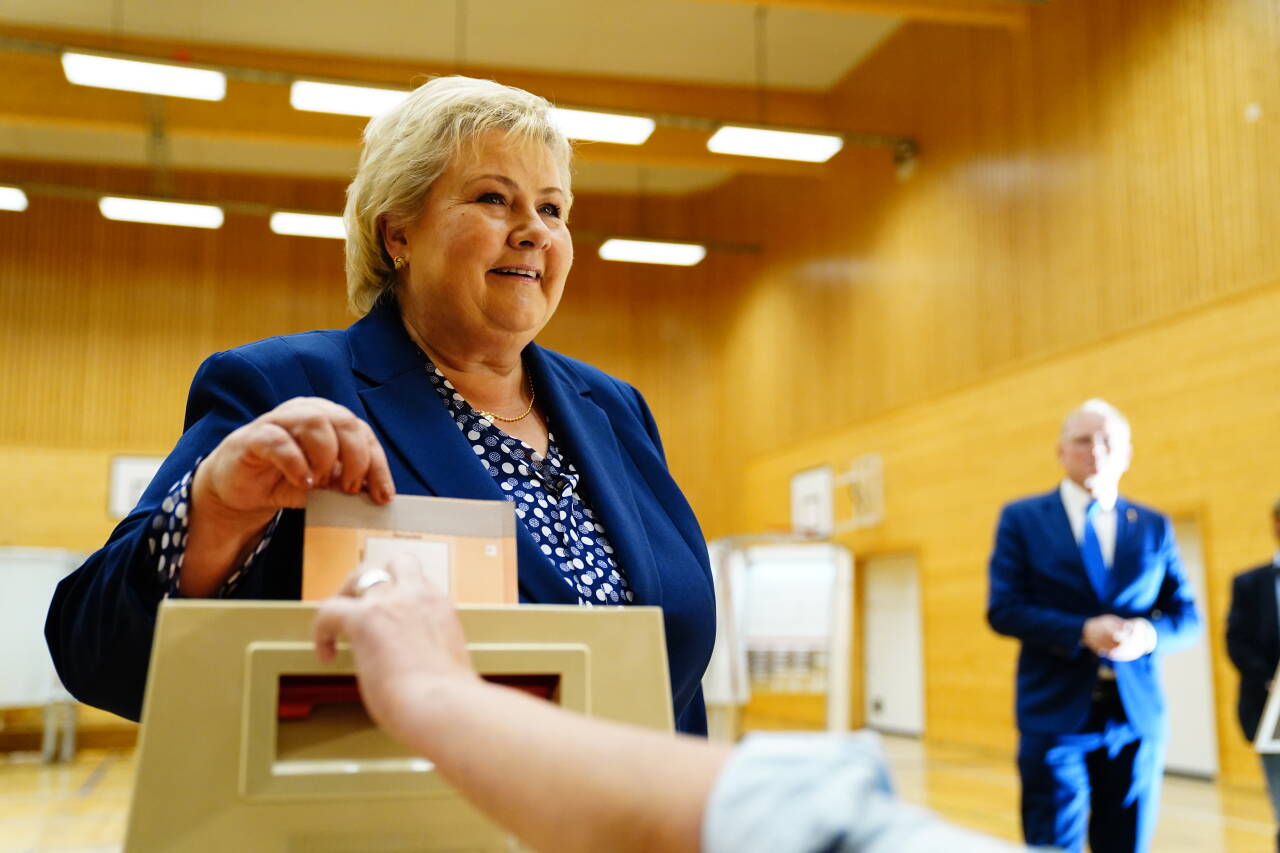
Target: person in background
(457,254)
(1092,586)
(564,782)
(1253,642)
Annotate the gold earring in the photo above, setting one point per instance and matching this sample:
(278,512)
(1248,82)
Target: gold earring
(400,261)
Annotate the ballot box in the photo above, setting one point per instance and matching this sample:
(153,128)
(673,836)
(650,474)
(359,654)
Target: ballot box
(249,743)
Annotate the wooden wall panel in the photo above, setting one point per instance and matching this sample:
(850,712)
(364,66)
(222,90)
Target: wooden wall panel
(102,325)
(1078,180)
(1203,395)
(1096,211)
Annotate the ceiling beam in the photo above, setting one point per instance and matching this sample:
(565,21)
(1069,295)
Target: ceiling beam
(723,102)
(1009,14)
(254,129)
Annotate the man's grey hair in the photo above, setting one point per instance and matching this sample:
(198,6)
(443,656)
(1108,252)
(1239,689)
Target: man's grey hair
(1098,406)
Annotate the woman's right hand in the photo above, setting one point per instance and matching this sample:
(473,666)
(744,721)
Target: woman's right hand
(268,464)
(303,444)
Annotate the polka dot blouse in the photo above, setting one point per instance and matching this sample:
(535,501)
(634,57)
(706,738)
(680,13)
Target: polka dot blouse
(167,540)
(543,489)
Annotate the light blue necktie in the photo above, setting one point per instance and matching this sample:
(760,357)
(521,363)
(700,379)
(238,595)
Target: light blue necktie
(1091,553)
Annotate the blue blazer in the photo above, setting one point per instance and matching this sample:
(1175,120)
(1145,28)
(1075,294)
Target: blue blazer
(102,617)
(1041,594)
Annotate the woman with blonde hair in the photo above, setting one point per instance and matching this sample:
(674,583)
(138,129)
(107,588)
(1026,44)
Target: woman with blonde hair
(458,248)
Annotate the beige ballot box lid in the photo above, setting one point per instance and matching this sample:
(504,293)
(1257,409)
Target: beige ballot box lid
(249,743)
(467,547)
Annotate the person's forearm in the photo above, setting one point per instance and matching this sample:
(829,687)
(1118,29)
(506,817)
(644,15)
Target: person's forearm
(561,781)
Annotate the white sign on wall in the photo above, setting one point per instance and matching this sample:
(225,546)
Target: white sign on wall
(812,512)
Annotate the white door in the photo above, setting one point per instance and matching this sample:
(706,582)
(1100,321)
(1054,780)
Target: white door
(1188,678)
(893,644)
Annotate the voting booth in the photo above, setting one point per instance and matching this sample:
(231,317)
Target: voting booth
(27,676)
(248,742)
(784,623)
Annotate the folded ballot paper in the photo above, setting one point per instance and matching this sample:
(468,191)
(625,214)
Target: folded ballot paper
(466,547)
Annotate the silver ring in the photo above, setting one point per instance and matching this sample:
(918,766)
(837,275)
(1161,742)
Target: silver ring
(370,578)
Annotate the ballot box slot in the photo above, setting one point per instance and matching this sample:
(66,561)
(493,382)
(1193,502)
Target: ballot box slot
(321,718)
(305,732)
(301,695)
(541,685)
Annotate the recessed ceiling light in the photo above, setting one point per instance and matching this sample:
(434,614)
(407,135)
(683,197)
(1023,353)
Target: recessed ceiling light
(343,100)
(652,252)
(152,78)
(308,225)
(160,212)
(775,144)
(12,198)
(603,127)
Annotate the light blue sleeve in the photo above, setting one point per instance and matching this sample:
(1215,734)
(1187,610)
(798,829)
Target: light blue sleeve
(804,793)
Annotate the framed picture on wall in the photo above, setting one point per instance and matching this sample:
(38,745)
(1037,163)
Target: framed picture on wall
(130,476)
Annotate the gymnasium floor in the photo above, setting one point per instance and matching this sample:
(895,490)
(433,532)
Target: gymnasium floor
(82,806)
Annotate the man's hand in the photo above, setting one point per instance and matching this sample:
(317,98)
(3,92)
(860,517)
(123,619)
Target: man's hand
(1139,639)
(1103,634)
(1111,637)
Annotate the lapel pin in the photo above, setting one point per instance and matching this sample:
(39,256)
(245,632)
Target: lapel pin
(1131,514)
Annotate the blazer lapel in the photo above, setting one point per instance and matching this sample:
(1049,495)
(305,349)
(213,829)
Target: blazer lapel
(414,424)
(417,428)
(586,435)
(1127,560)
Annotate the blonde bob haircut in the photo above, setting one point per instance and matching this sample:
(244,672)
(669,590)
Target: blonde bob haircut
(408,147)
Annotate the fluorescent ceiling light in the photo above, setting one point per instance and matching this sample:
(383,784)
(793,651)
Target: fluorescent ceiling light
(777,144)
(160,212)
(12,198)
(603,127)
(153,78)
(308,225)
(344,100)
(652,252)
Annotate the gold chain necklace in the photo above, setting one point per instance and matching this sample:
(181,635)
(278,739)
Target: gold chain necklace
(533,395)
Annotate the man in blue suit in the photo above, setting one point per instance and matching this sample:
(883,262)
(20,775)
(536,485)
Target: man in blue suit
(1092,586)
(1253,642)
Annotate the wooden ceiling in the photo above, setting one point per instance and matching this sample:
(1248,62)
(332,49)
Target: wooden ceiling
(700,59)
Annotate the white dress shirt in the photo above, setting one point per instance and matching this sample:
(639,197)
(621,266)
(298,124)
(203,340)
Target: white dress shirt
(1076,501)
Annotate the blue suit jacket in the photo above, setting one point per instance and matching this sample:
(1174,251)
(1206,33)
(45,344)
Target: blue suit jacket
(1253,641)
(1041,594)
(102,617)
